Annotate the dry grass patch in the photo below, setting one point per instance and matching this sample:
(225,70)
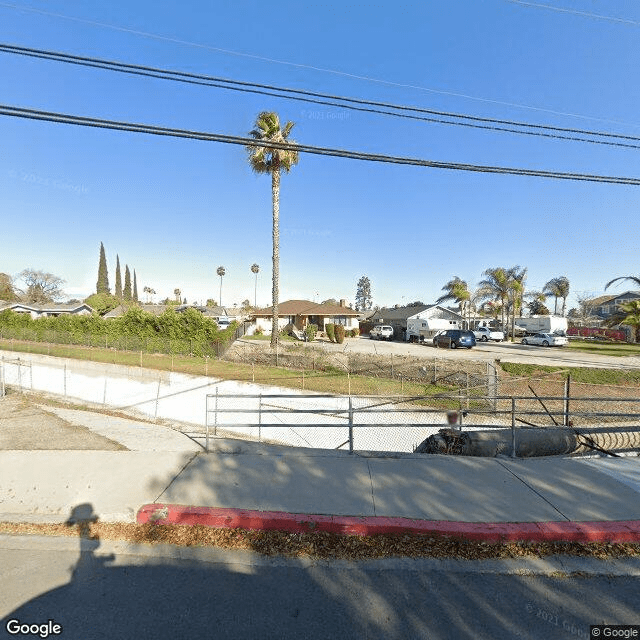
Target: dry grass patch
(321,545)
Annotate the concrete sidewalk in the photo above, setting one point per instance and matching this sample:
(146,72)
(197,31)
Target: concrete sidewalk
(242,483)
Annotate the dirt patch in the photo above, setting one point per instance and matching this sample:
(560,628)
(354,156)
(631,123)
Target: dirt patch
(26,426)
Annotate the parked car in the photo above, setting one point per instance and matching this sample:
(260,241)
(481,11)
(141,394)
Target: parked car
(484,334)
(381,332)
(454,338)
(546,340)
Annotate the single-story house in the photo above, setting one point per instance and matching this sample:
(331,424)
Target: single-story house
(50,310)
(300,313)
(401,317)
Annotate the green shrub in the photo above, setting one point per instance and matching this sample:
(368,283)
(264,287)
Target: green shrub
(331,331)
(310,331)
(355,332)
(339,333)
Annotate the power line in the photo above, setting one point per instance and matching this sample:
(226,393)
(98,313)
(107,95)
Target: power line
(344,102)
(346,74)
(586,14)
(61,118)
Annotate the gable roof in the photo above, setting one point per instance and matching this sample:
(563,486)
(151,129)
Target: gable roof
(50,307)
(307,308)
(610,298)
(159,309)
(403,313)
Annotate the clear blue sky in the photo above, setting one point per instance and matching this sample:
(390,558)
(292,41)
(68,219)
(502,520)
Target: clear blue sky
(175,209)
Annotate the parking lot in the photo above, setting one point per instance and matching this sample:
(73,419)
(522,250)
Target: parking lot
(504,351)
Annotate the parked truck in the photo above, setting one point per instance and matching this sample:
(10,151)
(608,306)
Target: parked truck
(543,324)
(484,334)
(423,329)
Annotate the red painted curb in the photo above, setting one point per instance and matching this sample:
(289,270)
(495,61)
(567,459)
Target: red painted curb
(620,531)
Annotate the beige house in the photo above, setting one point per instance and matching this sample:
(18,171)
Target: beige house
(300,313)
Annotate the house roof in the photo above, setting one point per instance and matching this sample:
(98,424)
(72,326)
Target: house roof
(403,313)
(159,309)
(307,308)
(610,298)
(50,307)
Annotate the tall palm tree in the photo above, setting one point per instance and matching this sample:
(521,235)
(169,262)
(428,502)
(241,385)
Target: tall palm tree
(221,271)
(255,268)
(558,288)
(458,291)
(264,158)
(496,286)
(517,278)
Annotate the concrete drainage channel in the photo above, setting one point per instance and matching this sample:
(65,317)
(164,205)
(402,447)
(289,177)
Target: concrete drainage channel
(358,423)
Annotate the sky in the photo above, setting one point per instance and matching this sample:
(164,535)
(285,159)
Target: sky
(175,209)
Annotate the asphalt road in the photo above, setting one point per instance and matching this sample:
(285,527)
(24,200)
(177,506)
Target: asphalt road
(113,590)
(505,351)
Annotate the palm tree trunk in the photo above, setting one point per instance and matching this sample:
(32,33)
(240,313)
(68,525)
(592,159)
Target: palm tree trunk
(275,192)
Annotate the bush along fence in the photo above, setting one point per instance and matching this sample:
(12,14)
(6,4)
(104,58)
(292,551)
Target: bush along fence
(147,344)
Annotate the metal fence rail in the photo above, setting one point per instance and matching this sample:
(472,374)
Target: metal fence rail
(389,424)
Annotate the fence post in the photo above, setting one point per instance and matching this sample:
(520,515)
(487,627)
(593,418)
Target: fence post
(206,419)
(513,427)
(20,375)
(158,400)
(350,425)
(260,418)
(64,373)
(467,390)
(567,391)
(2,389)
(104,393)
(215,423)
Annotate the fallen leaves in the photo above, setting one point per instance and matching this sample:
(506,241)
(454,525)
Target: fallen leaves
(322,545)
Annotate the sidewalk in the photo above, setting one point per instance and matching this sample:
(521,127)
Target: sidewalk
(170,479)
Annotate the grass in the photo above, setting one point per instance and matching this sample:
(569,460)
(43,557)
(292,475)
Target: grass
(615,349)
(630,377)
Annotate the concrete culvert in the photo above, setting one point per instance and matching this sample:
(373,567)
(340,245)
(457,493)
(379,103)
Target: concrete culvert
(531,442)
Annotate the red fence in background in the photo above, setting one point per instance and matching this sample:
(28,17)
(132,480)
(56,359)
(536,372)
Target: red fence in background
(589,332)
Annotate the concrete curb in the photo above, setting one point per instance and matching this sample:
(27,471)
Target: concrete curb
(615,532)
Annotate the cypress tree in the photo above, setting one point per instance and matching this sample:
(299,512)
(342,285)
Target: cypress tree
(118,279)
(102,286)
(135,287)
(127,284)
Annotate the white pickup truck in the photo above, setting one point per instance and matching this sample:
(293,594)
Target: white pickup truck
(484,334)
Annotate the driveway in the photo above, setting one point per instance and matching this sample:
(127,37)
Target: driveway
(491,351)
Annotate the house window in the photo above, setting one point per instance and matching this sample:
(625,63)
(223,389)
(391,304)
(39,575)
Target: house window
(340,320)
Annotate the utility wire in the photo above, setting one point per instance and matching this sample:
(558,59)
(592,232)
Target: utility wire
(586,14)
(61,118)
(369,106)
(155,36)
